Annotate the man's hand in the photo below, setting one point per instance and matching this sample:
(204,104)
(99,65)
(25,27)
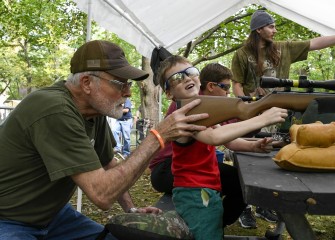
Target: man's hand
(178,125)
(148,210)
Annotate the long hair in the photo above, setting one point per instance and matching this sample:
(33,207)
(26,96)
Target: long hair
(271,51)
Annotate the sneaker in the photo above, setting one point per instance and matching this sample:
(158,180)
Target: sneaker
(267,215)
(119,157)
(116,151)
(246,219)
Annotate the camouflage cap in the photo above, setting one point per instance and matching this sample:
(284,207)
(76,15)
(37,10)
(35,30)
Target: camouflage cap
(99,55)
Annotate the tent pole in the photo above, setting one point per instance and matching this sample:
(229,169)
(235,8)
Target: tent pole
(89,21)
(88,38)
(160,104)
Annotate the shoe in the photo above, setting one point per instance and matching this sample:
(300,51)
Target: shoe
(119,157)
(267,215)
(115,151)
(246,219)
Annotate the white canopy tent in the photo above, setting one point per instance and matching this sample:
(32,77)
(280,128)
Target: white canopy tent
(171,24)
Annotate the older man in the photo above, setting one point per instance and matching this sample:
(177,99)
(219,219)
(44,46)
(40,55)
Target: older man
(57,138)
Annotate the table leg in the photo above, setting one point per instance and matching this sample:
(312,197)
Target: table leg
(297,226)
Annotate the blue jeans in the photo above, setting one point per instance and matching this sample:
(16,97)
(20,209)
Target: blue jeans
(124,128)
(68,224)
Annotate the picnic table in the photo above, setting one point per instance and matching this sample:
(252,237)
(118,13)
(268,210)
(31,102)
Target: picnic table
(291,194)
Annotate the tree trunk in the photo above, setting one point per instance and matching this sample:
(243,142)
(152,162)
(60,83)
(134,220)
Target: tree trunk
(149,95)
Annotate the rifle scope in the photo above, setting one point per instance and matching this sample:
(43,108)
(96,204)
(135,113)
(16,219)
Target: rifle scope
(271,82)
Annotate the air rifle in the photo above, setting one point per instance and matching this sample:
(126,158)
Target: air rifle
(221,109)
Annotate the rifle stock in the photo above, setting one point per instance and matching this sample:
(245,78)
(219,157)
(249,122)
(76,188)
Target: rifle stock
(221,109)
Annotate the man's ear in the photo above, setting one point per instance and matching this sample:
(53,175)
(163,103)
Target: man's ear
(85,83)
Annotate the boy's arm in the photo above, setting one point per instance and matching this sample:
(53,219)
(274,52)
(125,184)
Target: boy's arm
(229,132)
(258,145)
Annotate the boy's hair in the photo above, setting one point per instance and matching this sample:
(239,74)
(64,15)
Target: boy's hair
(214,72)
(166,65)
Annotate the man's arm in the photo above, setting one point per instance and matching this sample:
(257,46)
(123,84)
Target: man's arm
(321,42)
(126,201)
(237,89)
(104,187)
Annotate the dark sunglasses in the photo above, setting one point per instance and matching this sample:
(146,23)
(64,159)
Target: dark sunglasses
(223,86)
(177,77)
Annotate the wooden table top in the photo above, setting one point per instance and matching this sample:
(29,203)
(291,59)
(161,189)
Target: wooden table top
(265,184)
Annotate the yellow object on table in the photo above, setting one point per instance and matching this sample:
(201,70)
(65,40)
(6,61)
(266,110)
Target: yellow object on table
(312,148)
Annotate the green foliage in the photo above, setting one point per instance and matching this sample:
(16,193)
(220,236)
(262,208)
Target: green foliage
(37,39)
(219,43)
(35,32)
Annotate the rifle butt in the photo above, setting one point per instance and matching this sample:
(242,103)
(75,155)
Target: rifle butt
(219,109)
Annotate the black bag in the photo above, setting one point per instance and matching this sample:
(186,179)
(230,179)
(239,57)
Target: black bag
(158,55)
(320,109)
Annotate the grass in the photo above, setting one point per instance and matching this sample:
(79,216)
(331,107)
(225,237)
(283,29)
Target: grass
(144,195)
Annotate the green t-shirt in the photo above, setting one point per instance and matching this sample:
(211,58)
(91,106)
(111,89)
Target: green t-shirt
(244,64)
(43,142)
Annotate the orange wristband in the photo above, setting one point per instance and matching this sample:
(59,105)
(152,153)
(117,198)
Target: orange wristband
(159,137)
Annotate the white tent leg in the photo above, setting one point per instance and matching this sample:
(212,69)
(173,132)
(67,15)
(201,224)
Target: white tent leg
(88,38)
(79,199)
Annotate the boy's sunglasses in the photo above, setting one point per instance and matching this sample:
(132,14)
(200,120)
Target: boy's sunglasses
(223,86)
(177,77)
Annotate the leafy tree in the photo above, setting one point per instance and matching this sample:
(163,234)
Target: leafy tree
(219,43)
(37,40)
(32,33)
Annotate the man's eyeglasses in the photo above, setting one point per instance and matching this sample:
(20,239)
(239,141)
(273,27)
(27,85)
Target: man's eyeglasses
(177,77)
(120,85)
(223,86)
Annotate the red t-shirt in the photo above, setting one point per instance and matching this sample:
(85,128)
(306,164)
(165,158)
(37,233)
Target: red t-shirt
(195,165)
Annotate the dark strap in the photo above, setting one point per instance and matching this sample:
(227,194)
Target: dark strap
(158,55)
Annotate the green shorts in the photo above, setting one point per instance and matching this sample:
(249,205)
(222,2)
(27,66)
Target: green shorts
(201,209)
